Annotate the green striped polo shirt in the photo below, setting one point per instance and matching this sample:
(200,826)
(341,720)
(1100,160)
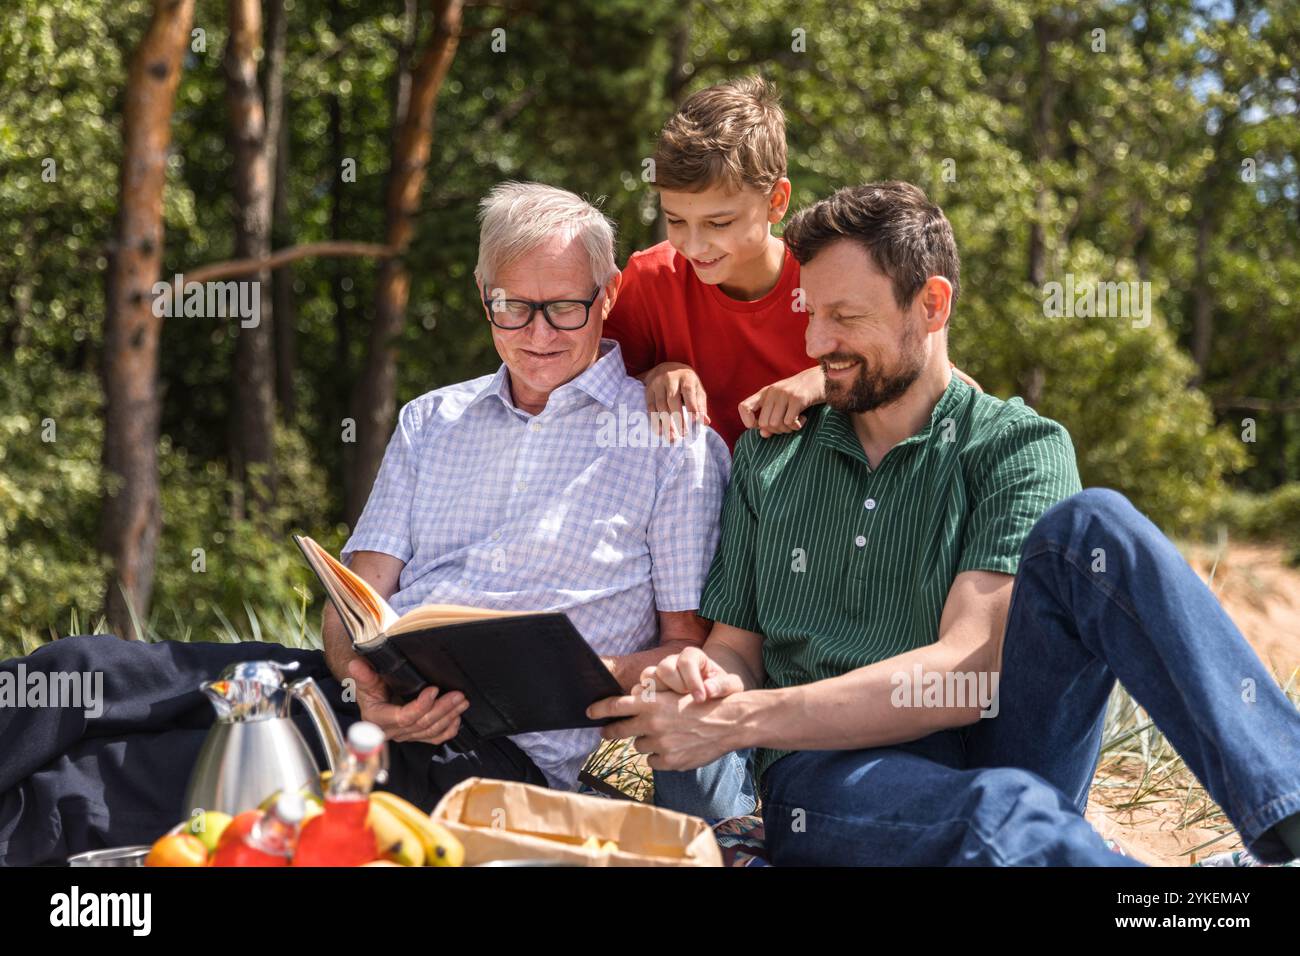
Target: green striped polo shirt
(840,565)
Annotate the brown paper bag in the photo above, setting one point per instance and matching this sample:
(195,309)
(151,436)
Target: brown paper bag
(504,820)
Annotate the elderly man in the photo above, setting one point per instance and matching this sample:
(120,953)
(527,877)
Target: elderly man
(524,489)
(512,491)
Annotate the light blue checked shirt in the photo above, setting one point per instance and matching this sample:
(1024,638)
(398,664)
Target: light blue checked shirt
(492,507)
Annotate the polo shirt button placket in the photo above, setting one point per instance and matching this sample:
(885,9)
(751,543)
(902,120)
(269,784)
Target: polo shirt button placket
(861,540)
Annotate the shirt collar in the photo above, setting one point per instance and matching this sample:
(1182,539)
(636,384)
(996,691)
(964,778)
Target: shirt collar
(837,432)
(601,382)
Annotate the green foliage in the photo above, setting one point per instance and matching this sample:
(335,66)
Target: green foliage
(49,498)
(50,492)
(217,564)
(1272,515)
(1120,386)
(1143,140)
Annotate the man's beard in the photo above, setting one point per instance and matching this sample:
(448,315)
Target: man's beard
(871,388)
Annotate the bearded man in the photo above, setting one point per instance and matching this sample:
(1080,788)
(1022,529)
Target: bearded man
(919,617)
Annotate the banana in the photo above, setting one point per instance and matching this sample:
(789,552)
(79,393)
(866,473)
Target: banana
(394,839)
(441,848)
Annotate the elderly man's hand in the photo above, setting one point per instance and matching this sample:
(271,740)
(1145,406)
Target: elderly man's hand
(429,717)
(694,673)
(676,732)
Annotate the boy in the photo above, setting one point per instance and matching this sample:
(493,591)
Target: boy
(710,320)
(713,317)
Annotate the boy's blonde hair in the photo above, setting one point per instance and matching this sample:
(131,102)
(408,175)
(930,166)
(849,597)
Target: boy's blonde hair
(730,135)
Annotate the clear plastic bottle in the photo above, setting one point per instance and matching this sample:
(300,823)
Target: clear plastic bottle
(271,840)
(341,836)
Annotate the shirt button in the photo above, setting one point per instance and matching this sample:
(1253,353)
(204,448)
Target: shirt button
(520,485)
(496,535)
(860,541)
(535,426)
(869,504)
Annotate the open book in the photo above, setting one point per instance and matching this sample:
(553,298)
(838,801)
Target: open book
(520,671)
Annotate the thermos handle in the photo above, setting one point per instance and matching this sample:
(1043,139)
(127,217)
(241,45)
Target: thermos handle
(327,726)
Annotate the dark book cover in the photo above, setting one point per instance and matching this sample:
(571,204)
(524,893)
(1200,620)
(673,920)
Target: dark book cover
(520,674)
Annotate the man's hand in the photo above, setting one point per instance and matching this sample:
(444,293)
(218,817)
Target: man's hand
(671,391)
(674,731)
(778,408)
(429,718)
(692,672)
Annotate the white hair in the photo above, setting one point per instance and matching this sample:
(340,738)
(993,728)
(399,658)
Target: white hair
(517,217)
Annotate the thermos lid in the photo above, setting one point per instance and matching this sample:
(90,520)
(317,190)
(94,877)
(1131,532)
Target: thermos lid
(251,690)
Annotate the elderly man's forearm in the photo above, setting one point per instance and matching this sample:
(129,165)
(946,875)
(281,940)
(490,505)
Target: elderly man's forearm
(338,646)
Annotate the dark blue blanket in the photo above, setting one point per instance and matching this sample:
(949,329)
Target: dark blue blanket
(71,782)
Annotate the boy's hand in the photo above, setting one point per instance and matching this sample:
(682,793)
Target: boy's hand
(429,718)
(672,390)
(778,408)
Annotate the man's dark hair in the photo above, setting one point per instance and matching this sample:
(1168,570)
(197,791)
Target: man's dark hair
(908,237)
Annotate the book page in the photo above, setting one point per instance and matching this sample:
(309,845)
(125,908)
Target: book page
(371,614)
(439,615)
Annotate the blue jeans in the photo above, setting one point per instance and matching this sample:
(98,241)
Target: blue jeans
(1012,789)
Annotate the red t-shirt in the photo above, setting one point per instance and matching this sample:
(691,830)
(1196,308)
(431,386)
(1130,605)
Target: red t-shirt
(664,313)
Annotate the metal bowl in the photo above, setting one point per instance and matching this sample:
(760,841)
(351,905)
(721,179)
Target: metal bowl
(113,856)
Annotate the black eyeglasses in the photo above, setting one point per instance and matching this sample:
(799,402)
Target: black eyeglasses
(565,315)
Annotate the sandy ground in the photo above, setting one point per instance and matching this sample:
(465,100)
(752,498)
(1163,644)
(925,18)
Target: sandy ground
(1156,820)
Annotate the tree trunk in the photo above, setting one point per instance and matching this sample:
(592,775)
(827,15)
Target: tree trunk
(375,399)
(1044,150)
(277,139)
(1209,204)
(132,513)
(1202,295)
(1032,379)
(679,44)
(339,394)
(252,404)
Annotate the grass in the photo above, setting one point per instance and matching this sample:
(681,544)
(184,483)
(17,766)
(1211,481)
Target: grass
(1139,770)
(288,624)
(616,764)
